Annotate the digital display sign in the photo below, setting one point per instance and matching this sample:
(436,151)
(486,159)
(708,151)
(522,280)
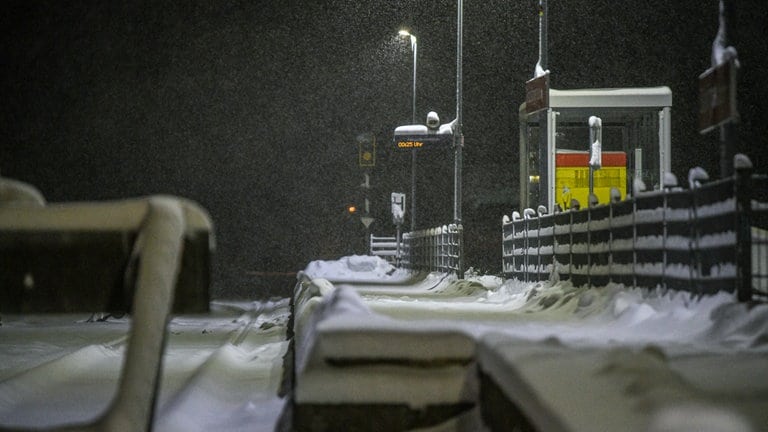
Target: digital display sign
(409,144)
(423,142)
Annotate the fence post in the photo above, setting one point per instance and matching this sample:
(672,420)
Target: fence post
(634,239)
(696,176)
(664,236)
(514,260)
(526,256)
(615,198)
(589,243)
(445,249)
(742,186)
(538,247)
(570,244)
(527,215)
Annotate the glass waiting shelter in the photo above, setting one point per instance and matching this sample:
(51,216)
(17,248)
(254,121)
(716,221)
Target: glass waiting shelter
(554,169)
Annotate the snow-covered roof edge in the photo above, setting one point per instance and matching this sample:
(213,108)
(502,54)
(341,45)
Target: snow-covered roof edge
(611,97)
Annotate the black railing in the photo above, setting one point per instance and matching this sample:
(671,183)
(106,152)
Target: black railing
(434,249)
(711,237)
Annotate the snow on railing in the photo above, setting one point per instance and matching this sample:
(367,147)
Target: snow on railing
(758,205)
(711,237)
(434,249)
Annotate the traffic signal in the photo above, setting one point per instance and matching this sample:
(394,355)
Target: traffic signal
(351,209)
(366,145)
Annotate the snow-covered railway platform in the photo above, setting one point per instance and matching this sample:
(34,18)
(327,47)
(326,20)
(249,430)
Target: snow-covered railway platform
(221,370)
(375,348)
(390,353)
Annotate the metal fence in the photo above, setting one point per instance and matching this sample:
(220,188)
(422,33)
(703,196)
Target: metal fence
(434,249)
(711,237)
(385,247)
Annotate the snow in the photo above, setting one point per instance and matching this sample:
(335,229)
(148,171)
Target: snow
(640,359)
(447,128)
(222,370)
(720,52)
(575,358)
(17,193)
(539,71)
(415,129)
(358,268)
(97,215)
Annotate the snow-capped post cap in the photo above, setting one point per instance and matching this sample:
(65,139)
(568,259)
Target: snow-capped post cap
(593,200)
(575,204)
(670,180)
(516,215)
(529,213)
(615,195)
(696,176)
(541,210)
(741,162)
(638,185)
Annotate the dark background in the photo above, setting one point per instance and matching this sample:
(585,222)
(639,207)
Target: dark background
(253,108)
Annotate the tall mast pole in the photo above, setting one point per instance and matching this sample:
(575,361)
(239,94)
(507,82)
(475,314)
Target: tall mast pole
(544,167)
(458,138)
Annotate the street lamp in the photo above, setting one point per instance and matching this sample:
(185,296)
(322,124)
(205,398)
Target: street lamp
(414,47)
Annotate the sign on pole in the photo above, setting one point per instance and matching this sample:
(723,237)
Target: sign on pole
(423,142)
(366,220)
(398,208)
(421,137)
(717,96)
(537,94)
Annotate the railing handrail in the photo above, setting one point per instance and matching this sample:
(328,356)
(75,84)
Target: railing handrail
(638,241)
(434,249)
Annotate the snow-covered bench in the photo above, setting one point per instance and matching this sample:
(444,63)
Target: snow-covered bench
(77,256)
(551,387)
(352,360)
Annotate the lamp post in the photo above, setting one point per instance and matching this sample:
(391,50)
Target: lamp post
(414,47)
(458,138)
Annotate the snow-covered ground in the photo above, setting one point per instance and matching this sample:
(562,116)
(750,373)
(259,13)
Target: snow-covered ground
(577,316)
(613,357)
(643,359)
(222,370)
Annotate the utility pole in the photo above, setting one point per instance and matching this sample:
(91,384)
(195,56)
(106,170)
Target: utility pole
(458,138)
(727,130)
(543,115)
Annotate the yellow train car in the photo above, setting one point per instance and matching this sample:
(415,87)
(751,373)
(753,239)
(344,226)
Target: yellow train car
(572,177)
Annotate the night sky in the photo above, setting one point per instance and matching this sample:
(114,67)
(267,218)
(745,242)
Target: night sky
(252,109)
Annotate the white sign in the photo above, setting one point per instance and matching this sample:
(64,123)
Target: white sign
(367,221)
(398,208)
